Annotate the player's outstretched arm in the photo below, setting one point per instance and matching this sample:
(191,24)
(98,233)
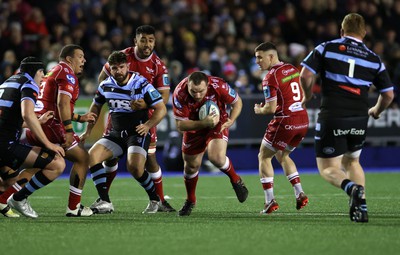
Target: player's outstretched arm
(32,122)
(46,116)
(42,119)
(87,117)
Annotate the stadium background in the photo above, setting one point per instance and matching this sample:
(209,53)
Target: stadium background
(213,36)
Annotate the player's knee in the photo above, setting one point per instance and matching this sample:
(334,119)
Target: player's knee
(152,164)
(217,160)
(82,157)
(134,169)
(260,157)
(191,167)
(349,162)
(57,165)
(328,171)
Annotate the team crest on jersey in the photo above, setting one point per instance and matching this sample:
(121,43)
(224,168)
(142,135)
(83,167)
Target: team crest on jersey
(165,79)
(177,104)
(71,79)
(266,91)
(232,92)
(154,94)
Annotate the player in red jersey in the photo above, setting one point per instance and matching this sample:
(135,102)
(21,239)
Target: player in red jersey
(142,59)
(58,93)
(210,133)
(283,97)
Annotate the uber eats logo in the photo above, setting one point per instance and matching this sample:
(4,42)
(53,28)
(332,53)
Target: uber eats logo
(353,131)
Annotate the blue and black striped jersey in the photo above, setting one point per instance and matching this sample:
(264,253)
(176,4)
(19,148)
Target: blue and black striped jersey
(348,69)
(119,97)
(13,91)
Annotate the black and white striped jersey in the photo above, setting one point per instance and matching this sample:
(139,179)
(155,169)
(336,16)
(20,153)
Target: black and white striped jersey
(118,99)
(13,91)
(347,69)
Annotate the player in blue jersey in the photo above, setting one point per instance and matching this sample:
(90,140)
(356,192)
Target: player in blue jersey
(130,128)
(347,69)
(17,102)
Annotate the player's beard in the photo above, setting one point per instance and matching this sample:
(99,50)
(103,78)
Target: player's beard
(121,78)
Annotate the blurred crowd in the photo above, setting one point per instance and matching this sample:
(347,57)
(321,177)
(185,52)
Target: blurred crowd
(216,36)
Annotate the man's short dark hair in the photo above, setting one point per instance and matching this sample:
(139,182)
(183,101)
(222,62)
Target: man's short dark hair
(117,57)
(265,46)
(197,77)
(69,50)
(145,29)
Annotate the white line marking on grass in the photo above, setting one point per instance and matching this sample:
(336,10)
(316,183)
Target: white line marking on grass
(48,197)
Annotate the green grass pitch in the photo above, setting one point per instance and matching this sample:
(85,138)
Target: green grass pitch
(219,224)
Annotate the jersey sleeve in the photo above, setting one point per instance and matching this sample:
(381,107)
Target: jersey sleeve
(180,110)
(314,59)
(227,93)
(161,81)
(99,97)
(270,86)
(67,84)
(151,95)
(382,81)
(29,92)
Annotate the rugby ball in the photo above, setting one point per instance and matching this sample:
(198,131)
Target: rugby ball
(208,107)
